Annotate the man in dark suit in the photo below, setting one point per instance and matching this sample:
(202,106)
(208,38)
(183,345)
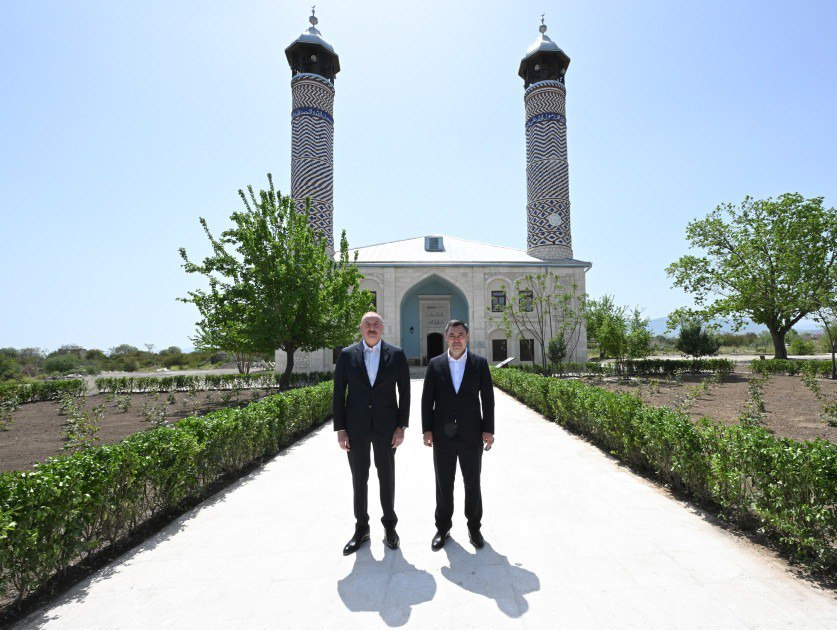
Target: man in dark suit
(371,416)
(455,384)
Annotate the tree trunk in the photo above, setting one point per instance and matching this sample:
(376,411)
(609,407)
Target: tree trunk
(780,352)
(285,381)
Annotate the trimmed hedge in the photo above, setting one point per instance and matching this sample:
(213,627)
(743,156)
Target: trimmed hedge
(788,488)
(791,367)
(202,382)
(38,391)
(638,367)
(68,507)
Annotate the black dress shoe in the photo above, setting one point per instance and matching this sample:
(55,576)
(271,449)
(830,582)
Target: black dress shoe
(355,543)
(391,538)
(439,540)
(476,539)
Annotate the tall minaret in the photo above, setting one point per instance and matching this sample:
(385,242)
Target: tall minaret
(548,234)
(314,65)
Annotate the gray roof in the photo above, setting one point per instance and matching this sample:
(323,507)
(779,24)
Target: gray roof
(312,36)
(457,251)
(542,44)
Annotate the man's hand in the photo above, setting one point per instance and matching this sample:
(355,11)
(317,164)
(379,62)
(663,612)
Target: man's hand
(488,440)
(428,438)
(397,437)
(343,440)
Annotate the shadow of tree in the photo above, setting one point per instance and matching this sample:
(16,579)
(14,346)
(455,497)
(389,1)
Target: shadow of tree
(491,575)
(390,587)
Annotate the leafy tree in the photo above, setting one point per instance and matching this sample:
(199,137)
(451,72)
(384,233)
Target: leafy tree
(122,350)
(541,309)
(556,350)
(770,260)
(619,333)
(827,317)
(9,367)
(273,284)
(599,314)
(31,360)
(697,340)
(61,363)
(640,337)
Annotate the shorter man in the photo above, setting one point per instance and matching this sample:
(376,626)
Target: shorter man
(453,425)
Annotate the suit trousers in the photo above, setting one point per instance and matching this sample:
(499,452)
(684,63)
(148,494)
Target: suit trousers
(385,464)
(470,463)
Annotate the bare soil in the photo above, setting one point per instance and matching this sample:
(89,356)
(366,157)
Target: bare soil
(37,430)
(791,409)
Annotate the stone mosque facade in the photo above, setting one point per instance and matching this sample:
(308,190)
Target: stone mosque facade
(420,283)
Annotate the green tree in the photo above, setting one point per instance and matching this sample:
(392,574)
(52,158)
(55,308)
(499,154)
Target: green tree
(273,284)
(541,308)
(600,316)
(827,317)
(697,340)
(770,260)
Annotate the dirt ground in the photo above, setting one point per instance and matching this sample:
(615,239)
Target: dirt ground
(37,430)
(791,409)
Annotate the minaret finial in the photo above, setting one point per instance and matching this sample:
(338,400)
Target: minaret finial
(313,19)
(542,27)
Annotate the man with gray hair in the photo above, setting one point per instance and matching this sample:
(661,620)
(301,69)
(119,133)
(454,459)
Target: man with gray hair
(457,419)
(371,417)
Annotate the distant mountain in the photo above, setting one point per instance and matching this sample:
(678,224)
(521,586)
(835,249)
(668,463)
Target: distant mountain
(658,326)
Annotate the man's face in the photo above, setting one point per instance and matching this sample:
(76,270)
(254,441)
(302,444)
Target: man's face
(371,328)
(457,340)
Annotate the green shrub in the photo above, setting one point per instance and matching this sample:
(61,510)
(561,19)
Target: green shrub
(790,367)
(801,346)
(202,382)
(639,367)
(61,364)
(38,391)
(54,516)
(789,488)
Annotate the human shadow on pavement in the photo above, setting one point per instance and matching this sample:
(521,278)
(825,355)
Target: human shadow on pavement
(390,587)
(491,575)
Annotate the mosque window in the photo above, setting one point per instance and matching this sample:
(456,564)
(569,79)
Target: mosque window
(499,350)
(498,301)
(527,349)
(434,244)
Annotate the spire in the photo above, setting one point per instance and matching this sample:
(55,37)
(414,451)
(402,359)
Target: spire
(310,53)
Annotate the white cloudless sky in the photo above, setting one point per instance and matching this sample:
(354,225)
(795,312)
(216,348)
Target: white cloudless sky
(122,123)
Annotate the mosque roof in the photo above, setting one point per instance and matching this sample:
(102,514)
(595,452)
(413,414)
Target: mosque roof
(448,250)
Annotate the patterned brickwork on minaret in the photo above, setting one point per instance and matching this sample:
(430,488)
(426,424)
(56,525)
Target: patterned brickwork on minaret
(547,172)
(312,151)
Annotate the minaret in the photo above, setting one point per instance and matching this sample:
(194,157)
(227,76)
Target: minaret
(548,234)
(314,65)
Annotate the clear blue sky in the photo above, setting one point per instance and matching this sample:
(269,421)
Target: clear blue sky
(121,123)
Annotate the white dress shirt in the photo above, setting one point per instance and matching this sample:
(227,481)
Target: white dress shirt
(372,358)
(457,369)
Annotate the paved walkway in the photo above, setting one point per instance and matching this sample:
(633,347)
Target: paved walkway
(573,541)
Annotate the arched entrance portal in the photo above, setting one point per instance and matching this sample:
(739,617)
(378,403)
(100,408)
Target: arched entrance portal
(425,310)
(435,345)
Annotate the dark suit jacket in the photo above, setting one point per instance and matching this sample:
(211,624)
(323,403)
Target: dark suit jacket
(371,408)
(456,416)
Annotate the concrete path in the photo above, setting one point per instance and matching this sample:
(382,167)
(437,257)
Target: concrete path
(573,541)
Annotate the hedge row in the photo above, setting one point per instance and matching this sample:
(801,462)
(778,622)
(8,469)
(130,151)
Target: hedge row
(202,382)
(70,506)
(42,390)
(637,367)
(791,367)
(789,488)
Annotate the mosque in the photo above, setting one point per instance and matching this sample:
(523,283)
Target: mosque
(420,283)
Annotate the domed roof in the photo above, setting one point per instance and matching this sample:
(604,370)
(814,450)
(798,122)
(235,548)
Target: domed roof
(312,36)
